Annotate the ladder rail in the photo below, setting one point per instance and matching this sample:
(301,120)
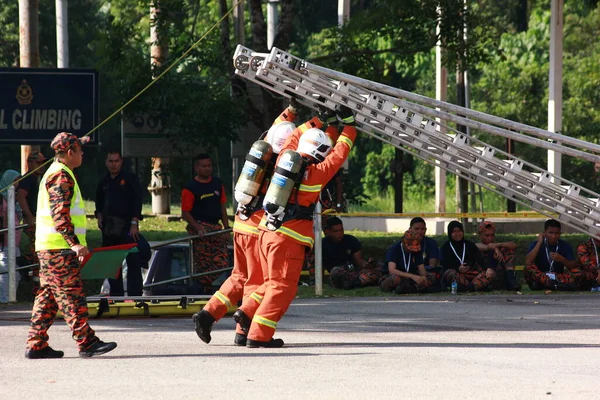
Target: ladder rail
(396,122)
(294,80)
(476,115)
(441,113)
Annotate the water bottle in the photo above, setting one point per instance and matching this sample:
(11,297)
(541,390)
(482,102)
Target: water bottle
(454,287)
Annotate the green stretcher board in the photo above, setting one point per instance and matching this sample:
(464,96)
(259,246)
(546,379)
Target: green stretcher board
(105,262)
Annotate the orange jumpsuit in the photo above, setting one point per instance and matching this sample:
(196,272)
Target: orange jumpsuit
(247,274)
(283,250)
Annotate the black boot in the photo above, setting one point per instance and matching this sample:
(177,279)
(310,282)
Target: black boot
(241,318)
(46,352)
(240,340)
(204,322)
(271,344)
(510,279)
(97,349)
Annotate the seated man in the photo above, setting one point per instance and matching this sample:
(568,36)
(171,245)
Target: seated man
(429,247)
(406,269)
(587,258)
(500,257)
(463,262)
(342,256)
(546,261)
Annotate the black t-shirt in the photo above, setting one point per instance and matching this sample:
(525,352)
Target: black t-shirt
(466,251)
(396,255)
(31,184)
(119,197)
(338,254)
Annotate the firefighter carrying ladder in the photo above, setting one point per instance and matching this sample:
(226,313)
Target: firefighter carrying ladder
(407,121)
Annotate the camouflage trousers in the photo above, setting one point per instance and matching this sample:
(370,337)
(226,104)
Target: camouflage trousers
(209,253)
(588,278)
(468,281)
(402,285)
(343,277)
(61,288)
(538,280)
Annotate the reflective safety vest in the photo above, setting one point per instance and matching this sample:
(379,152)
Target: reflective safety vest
(46,235)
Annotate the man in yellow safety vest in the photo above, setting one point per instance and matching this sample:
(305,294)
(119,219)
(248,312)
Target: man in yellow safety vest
(61,246)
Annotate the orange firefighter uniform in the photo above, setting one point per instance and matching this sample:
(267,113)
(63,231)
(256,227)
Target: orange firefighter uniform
(283,251)
(247,274)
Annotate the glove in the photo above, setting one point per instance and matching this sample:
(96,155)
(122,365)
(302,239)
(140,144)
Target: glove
(293,107)
(346,115)
(327,116)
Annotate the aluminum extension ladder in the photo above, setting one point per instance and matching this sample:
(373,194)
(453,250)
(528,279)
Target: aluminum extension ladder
(408,121)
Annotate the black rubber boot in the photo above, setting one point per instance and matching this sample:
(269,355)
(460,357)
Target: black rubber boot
(240,340)
(271,344)
(241,318)
(204,322)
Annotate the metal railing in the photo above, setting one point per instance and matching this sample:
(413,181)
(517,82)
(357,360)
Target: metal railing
(189,275)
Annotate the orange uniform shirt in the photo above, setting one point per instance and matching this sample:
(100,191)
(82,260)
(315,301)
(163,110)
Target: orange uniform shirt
(250,226)
(315,178)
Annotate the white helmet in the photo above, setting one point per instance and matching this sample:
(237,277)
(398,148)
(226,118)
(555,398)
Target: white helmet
(315,143)
(277,135)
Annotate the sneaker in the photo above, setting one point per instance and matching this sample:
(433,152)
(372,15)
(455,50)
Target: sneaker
(271,344)
(204,322)
(241,318)
(97,349)
(240,340)
(46,352)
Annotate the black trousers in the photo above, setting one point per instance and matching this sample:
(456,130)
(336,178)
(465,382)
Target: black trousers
(134,269)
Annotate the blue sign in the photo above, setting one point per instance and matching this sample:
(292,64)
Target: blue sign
(38,103)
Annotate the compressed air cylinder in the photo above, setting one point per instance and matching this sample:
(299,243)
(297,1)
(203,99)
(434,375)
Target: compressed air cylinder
(282,184)
(253,172)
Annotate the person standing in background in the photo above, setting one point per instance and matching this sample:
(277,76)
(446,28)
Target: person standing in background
(8,178)
(27,193)
(202,207)
(119,212)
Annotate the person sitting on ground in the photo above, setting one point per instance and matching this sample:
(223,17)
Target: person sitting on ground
(406,268)
(499,256)
(429,247)
(463,262)
(546,261)
(587,258)
(342,256)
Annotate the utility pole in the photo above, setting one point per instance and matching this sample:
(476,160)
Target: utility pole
(555,82)
(343,11)
(441,91)
(29,53)
(62,34)
(160,181)
(462,185)
(272,21)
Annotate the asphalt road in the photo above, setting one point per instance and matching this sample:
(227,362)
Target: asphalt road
(452,347)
